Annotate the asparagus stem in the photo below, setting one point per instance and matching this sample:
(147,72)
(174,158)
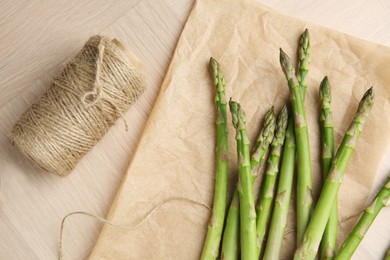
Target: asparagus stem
(328,244)
(304,180)
(307,249)
(230,241)
(364,223)
(215,227)
(231,235)
(282,201)
(304,61)
(245,186)
(268,187)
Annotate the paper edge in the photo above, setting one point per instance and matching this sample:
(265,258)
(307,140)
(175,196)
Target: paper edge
(148,123)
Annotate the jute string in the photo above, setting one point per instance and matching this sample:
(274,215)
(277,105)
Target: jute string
(149,214)
(83,102)
(136,224)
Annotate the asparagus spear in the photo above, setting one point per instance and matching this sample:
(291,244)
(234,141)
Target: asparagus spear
(365,221)
(267,191)
(388,255)
(304,61)
(307,249)
(282,201)
(304,180)
(230,241)
(215,227)
(328,244)
(245,186)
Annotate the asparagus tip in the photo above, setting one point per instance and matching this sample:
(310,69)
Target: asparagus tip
(212,60)
(270,116)
(269,124)
(217,75)
(365,105)
(283,117)
(214,66)
(325,91)
(234,111)
(282,54)
(284,111)
(368,97)
(286,64)
(238,115)
(370,91)
(306,34)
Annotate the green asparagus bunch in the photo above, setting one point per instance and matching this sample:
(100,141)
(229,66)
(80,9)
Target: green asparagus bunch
(246,226)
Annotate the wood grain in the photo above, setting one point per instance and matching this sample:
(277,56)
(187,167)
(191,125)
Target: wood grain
(39,36)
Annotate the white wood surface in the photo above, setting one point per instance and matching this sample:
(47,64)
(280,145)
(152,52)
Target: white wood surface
(37,37)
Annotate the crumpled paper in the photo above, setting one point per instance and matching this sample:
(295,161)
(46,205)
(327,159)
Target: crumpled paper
(175,156)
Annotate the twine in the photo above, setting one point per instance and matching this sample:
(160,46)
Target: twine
(145,218)
(83,102)
(124,226)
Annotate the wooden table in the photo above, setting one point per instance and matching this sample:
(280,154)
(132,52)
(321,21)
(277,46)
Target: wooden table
(38,37)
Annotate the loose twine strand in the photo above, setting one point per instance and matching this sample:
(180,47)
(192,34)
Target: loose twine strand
(92,97)
(84,101)
(150,213)
(124,226)
(95,94)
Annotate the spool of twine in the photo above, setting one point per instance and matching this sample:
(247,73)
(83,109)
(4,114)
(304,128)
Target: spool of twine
(83,102)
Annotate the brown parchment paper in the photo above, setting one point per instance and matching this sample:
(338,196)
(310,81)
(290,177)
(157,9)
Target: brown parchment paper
(175,156)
